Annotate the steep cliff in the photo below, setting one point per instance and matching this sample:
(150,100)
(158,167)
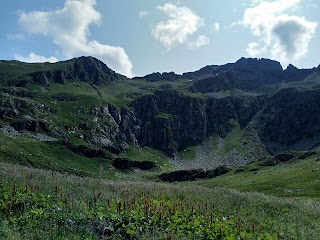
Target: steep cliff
(290,121)
(171,121)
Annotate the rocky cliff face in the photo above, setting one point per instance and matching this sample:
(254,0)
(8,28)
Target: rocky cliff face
(290,121)
(114,128)
(171,121)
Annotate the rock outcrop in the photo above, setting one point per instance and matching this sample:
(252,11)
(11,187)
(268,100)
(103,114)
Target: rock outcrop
(12,107)
(88,152)
(125,164)
(191,175)
(114,128)
(38,126)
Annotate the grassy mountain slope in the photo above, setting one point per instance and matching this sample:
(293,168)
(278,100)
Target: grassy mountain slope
(54,156)
(298,178)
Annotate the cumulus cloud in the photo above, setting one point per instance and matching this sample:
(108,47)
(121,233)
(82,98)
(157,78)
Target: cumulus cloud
(255,49)
(69,29)
(285,36)
(181,23)
(32,57)
(199,42)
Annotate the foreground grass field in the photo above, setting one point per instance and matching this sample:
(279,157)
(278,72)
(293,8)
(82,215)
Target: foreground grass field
(40,204)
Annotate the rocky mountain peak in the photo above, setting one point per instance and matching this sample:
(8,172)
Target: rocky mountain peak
(291,71)
(293,74)
(92,64)
(83,69)
(291,67)
(93,71)
(156,76)
(258,65)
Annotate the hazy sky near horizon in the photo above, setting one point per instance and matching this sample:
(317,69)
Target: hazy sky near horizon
(137,37)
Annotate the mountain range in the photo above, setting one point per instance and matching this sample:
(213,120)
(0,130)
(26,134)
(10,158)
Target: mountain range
(232,114)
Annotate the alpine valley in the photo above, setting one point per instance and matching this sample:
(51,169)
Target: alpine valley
(248,125)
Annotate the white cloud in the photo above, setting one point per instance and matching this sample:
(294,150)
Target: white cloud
(215,26)
(293,36)
(180,24)
(255,49)
(69,29)
(32,57)
(286,37)
(15,37)
(254,2)
(200,42)
(143,13)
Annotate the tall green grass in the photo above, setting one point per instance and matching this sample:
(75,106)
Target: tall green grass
(280,218)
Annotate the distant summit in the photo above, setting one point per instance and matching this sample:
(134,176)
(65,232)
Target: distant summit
(247,74)
(85,69)
(156,77)
(263,67)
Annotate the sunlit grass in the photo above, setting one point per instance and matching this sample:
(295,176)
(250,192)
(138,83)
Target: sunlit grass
(283,217)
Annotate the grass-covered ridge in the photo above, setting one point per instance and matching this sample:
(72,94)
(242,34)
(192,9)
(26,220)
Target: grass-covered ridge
(47,205)
(21,69)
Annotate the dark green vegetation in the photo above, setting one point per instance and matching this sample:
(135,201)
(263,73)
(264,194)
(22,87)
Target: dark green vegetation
(39,204)
(249,125)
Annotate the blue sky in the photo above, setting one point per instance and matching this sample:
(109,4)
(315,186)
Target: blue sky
(137,37)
